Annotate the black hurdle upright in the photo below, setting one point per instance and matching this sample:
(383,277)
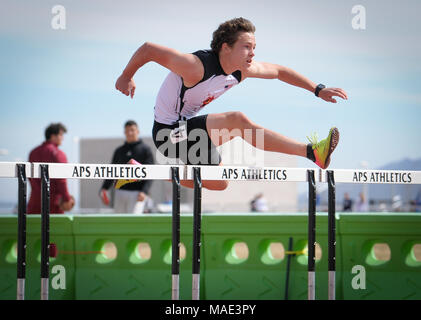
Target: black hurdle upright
(311,235)
(175,233)
(197,217)
(288,267)
(45,231)
(21,265)
(331,236)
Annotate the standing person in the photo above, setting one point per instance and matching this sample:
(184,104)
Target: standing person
(347,203)
(60,199)
(362,205)
(197,78)
(417,202)
(130,198)
(259,203)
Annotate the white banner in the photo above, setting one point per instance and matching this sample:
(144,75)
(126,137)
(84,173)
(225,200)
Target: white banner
(235,173)
(375,176)
(238,173)
(107,171)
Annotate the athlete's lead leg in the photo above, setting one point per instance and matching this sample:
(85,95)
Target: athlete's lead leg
(223,127)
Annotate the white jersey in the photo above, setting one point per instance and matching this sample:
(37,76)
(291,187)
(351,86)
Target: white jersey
(177,102)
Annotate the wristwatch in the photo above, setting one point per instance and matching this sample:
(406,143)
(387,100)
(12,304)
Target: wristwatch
(318,88)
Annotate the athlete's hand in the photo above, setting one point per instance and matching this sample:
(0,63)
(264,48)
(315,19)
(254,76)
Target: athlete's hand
(327,94)
(125,85)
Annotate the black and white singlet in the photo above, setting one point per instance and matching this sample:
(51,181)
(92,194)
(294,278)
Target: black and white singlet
(177,102)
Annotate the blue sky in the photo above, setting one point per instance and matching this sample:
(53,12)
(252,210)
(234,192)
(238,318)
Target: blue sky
(68,75)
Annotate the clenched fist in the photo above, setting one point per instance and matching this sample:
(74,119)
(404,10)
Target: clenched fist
(125,85)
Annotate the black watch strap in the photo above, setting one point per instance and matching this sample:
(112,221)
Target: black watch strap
(318,88)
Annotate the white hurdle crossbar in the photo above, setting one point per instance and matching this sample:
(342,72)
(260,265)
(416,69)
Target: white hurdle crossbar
(106,171)
(10,169)
(373,176)
(232,173)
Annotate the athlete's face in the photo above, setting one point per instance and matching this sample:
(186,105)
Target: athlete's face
(132,133)
(242,52)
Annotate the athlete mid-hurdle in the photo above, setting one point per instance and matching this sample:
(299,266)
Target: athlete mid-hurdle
(197,78)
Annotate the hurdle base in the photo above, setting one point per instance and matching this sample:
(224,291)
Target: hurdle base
(311,285)
(21,289)
(331,280)
(175,287)
(196,286)
(44,288)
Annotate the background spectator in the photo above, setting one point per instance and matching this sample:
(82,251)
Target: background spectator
(397,203)
(347,203)
(418,202)
(60,199)
(362,204)
(131,197)
(259,204)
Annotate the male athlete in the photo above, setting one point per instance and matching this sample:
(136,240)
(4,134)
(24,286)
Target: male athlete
(197,78)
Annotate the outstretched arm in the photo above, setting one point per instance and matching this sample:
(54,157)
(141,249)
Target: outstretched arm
(186,65)
(265,70)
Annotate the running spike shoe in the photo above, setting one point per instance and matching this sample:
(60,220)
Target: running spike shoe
(322,150)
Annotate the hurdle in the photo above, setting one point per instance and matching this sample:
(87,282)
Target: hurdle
(197,217)
(332,177)
(331,236)
(46,172)
(278,174)
(275,174)
(311,264)
(21,171)
(175,268)
(21,258)
(290,244)
(49,171)
(45,231)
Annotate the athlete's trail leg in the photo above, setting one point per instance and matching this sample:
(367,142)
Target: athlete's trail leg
(208,184)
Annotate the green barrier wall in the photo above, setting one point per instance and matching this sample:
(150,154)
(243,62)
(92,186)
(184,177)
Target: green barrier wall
(260,276)
(61,233)
(398,278)
(225,274)
(128,277)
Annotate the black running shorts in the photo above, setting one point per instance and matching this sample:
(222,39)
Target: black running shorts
(186,140)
